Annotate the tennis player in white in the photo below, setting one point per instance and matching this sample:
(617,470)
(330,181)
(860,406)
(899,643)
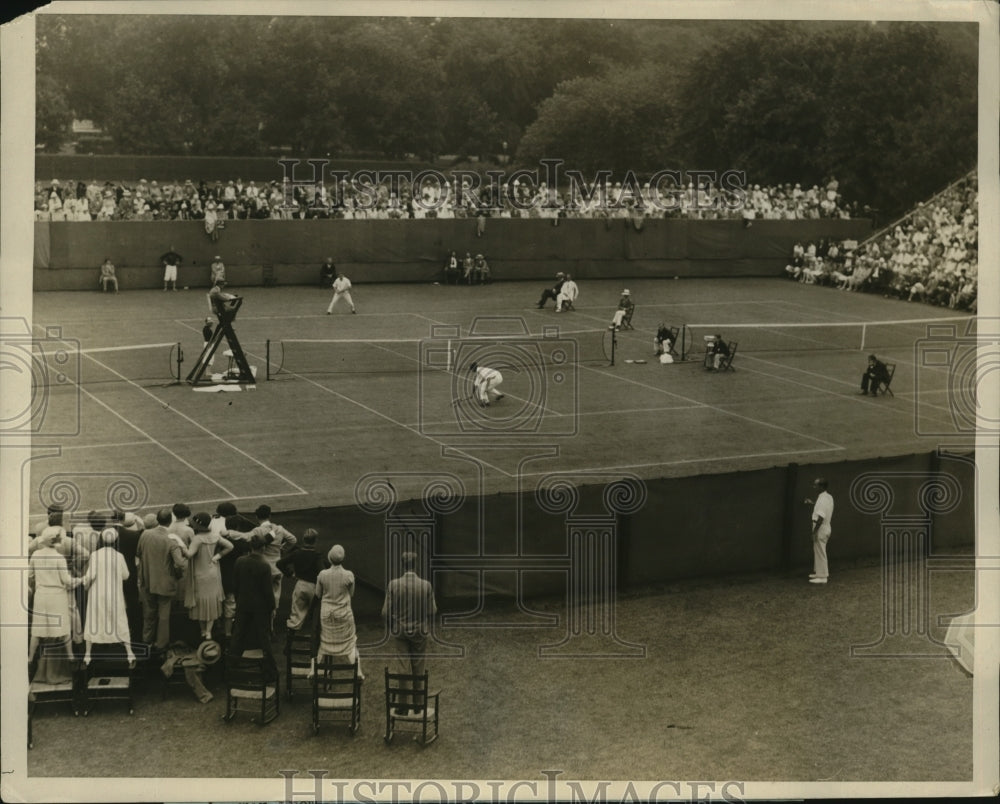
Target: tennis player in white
(485,382)
(341,290)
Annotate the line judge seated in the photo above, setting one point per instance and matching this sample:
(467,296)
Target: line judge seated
(876,373)
(716,350)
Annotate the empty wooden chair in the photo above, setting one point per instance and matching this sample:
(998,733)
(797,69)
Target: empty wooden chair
(410,706)
(253,686)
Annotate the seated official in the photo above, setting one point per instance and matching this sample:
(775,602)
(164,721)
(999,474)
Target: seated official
(452,273)
(217,297)
(875,375)
(108,277)
(716,350)
(567,295)
(624,312)
(327,273)
(664,340)
(481,270)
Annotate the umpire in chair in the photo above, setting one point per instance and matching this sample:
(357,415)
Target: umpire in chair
(876,375)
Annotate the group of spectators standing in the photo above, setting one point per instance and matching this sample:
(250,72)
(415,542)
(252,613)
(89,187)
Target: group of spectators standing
(124,579)
(930,256)
(218,201)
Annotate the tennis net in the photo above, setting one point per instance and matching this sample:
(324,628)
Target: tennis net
(288,358)
(870,336)
(63,363)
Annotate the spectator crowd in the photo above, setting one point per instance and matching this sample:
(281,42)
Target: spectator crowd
(931,255)
(145,583)
(219,201)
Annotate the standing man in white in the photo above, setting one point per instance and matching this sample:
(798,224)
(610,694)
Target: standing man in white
(484,382)
(341,290)
(822,518)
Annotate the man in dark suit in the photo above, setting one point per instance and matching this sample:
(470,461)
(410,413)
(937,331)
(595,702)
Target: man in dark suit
(160,562)
(327,273)
(874,376)
(130,528)
(409,608)
(254,602)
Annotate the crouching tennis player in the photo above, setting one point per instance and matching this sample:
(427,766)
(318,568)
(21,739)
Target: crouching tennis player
(485,382)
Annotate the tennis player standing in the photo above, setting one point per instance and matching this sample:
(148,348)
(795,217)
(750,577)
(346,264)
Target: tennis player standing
(341,289)
(485,382)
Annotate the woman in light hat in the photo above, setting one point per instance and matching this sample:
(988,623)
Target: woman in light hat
(107,621)
(335,588)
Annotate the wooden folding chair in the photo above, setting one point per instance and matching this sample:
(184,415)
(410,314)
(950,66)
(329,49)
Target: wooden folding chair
(410,707)
(726,364)
(59,692)
(252,685)
(627,318)
(298,660)
(883,386)
(336,693)
(108,677)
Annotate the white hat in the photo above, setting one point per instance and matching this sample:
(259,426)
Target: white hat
(626,292)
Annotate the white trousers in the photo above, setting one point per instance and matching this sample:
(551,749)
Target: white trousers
(820,566)
(346,295)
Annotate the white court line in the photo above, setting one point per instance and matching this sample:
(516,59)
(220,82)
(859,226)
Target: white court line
(106,446)
(204,429)
(381,415)
(155,441)
(685,461)
(432,320)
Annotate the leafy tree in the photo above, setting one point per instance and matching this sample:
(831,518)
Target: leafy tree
(620,121)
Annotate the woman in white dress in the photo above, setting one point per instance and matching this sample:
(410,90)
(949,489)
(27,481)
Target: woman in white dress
(107,621)
(334,590)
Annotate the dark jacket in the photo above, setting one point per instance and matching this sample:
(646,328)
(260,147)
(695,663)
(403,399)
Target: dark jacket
(252,585)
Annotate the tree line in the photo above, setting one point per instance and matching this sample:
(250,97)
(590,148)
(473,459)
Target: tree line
(889,109)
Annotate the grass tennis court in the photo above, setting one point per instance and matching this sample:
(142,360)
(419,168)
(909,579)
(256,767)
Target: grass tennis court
(387,388)
(742,678)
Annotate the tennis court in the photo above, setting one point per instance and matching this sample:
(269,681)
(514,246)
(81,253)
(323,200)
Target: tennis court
(340,396)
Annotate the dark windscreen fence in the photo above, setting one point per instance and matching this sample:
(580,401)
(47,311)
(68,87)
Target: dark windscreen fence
(828,336)
(59,363)
(292,357)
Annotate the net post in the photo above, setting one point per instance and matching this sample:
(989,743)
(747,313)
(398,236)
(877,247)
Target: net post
(267,360)
(180,361)
(614,344)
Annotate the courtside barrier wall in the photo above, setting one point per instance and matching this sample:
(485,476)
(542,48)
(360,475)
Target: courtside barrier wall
(688,528)
(67,253)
